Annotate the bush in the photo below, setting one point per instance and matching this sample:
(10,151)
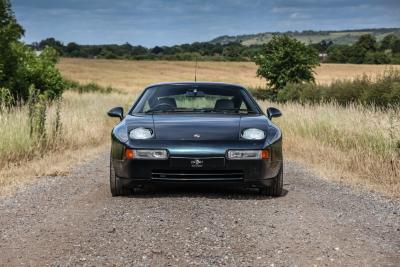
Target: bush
(39,71)
(263,94)
(377,58)
(89,88)
(21,68)
(5,98)
(383,91)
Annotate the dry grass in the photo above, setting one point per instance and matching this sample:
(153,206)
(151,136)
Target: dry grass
(356,145)
(133,76)
(84,126)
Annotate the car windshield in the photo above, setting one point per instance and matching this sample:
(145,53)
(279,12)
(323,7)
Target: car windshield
(195,98)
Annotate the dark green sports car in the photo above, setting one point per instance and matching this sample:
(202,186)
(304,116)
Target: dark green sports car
(196,132)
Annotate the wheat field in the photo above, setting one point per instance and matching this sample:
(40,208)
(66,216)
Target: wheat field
(133,76)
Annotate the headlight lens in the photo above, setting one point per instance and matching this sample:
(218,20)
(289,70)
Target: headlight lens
(141,133)
(253,134)
(248,154)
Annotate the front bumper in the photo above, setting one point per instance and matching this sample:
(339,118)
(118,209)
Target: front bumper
(214,167)
(211,169)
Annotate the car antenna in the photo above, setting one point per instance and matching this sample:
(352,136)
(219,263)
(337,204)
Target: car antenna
(195,71)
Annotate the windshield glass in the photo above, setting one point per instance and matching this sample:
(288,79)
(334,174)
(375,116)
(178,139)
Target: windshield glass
(195,98)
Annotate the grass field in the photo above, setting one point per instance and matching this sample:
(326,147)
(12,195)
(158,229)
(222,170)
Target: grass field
(133,76)
(356,145)
(85,127)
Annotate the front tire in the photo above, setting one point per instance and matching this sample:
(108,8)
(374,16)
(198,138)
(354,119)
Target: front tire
(276,189)
(116,187)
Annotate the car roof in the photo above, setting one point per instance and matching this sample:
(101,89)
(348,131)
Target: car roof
(205,83)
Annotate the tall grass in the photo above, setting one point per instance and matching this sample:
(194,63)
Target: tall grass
(83,124)
(356,143)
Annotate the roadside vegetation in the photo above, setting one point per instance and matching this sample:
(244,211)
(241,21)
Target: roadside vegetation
(22,72)
(77,123)
(382,90)
(349,129)
(37,118)
(90,87)
(353,144)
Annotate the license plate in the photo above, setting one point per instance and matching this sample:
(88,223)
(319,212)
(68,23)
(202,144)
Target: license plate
(198,163)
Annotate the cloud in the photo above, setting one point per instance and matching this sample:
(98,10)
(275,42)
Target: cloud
(297,15)
(161,22)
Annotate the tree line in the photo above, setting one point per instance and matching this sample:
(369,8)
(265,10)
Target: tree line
(187,52)
(366,50)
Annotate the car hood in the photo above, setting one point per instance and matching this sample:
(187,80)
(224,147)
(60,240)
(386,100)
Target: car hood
(197,127)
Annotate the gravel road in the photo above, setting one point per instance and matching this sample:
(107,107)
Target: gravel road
(73,220)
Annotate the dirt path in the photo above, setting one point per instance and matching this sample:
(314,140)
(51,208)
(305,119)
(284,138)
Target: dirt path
(69,221)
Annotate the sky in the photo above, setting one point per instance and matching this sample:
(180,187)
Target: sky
(168,22)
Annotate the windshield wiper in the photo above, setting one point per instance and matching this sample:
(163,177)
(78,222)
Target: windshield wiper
(169,110)
(234,110)
(205,110)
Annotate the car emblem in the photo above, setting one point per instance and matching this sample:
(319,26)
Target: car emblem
(196,135)
(196,163)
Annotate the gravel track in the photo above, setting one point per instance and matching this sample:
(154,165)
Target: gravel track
(73,220)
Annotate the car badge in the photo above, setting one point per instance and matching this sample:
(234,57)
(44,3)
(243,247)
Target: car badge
(196,135)
(196,163)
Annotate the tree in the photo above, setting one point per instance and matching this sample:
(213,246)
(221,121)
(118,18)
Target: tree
(379,57)
(337,54)
(72,49)
(10,32)
(232,51)
(367,41)
(53,43)
(388,41)
(157,50)
(286,60)
(396,46)
(355,54)
(322,46)
(37,71)
(20,67)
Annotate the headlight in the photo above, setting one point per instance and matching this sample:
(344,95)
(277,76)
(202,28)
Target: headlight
(253,134)
(141,133)
(247,154)
(153,154)
(121,133)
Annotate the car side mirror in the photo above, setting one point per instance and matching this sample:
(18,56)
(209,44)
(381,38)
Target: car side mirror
(117,112)
(273,113)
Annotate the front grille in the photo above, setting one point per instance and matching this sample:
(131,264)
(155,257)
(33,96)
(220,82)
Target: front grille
(197,175)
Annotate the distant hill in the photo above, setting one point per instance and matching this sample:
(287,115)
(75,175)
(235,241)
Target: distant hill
(337,37)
